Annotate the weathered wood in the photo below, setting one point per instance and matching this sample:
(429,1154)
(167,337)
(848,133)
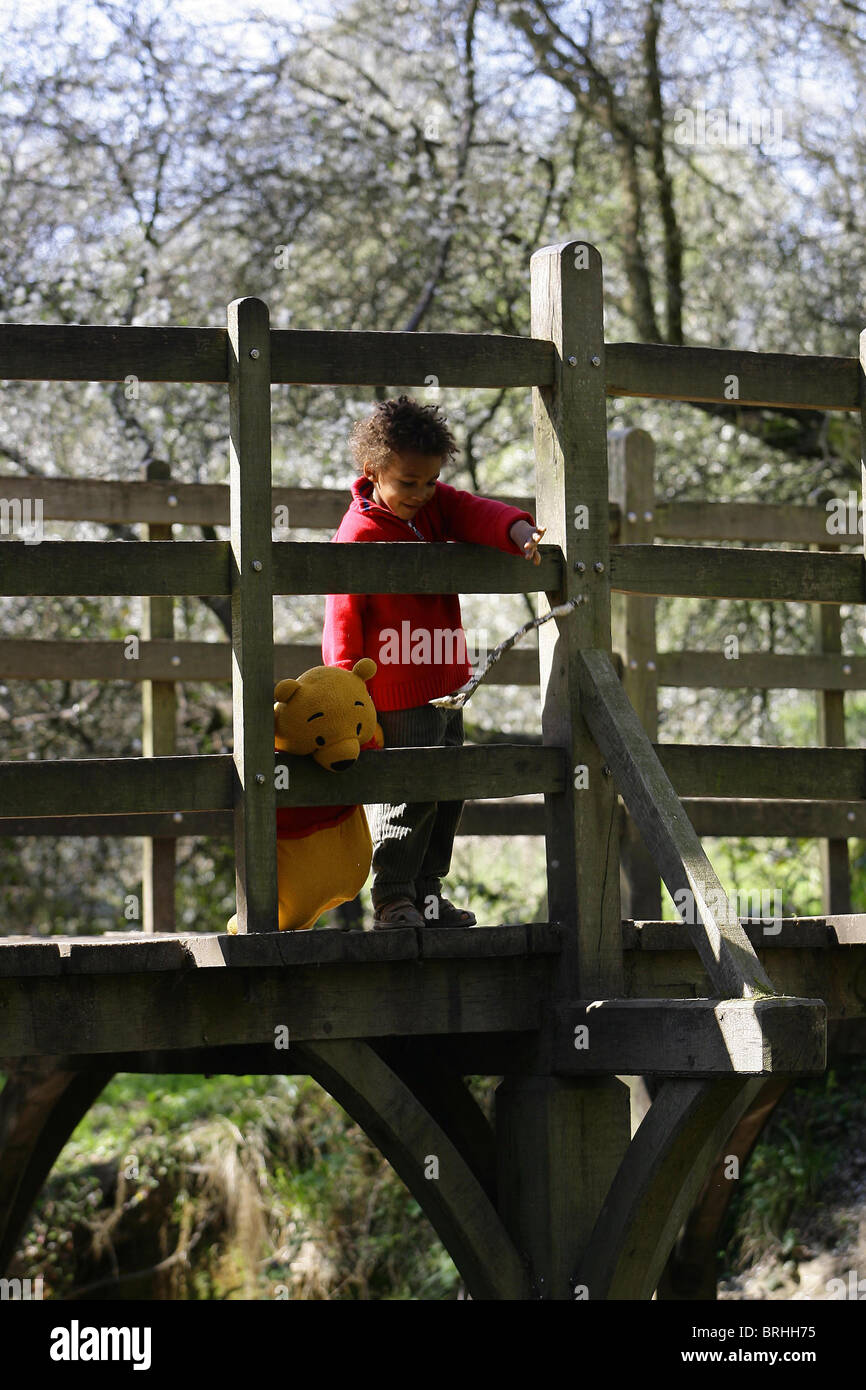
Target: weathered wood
(512,817)
(763,670)
(811,774)
(559,1143)
(657,1184)
(252,588)
(410,567)
(433,774)
(572,488)
(690,1273)
(48,352)
(706,374)
(632,485)
(130,786)
(207,504)
(692,1037)
(105,568)
(794,819)
(40,1106)
(119,786)
(178,503)
(453,1200)
(219,824)
(747,521)
(30,659)
(87,352)
(350,358)
(724,948)
(835,869)
(783,576)
(158,718)
(122,953)
(151,1010)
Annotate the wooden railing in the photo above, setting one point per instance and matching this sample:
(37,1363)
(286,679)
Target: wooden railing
(635,520)
(204,792)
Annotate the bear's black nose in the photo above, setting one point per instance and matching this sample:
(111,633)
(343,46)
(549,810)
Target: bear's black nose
(342,764)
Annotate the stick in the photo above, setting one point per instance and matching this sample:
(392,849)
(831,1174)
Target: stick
(458,700)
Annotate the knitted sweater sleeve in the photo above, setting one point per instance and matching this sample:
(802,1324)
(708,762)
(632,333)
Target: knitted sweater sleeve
(480,519)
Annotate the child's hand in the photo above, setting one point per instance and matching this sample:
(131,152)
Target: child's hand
(527,537)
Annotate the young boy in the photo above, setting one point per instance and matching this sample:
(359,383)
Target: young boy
(417,640)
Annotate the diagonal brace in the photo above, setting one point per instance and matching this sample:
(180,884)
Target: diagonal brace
(727,954)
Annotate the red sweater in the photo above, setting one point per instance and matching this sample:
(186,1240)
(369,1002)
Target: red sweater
(355,623)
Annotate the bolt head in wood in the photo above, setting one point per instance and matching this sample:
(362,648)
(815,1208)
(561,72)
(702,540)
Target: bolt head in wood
(254,353)
(572,361)
(579,566)
(257,564)
(171,500)
(595,360)
(598,567)
(260,779)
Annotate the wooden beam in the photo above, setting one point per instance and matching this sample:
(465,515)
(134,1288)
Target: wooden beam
(408,1134)
(25,658)
(692,1037)
(632,485)
(830,711)
(807,774)
(784,576)
(158,717)
(155,1010)
(572,488)
(352,358)
(412,567)
(657,1184)
(723,946)
(433,774)
(139,786)
(763,670)
(793,819)
(724,375)
(105,568)
(252,588)
(87,352)
(552,1134)
(746,521)
(41,1104)
(117,786)
(78,352)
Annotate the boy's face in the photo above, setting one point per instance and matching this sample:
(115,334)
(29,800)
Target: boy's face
(406,483)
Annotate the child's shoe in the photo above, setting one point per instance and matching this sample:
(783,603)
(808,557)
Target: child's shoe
(445,914)
(397,912)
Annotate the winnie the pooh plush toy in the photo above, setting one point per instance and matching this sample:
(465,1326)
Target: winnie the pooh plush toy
(323,852)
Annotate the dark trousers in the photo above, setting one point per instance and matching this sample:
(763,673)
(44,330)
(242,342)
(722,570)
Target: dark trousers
(412,842)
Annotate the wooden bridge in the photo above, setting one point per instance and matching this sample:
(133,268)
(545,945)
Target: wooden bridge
(634,1055)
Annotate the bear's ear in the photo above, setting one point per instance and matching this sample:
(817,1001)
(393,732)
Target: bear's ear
(286,689)
(365,668)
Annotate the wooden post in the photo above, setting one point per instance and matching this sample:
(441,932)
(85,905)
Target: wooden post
(252,615)
(632,486)
(560,1142)
(835,868)
(158,718)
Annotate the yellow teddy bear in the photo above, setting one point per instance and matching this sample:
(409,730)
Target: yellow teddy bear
(323,852)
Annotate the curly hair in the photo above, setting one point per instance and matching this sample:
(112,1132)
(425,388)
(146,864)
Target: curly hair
(401,424)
